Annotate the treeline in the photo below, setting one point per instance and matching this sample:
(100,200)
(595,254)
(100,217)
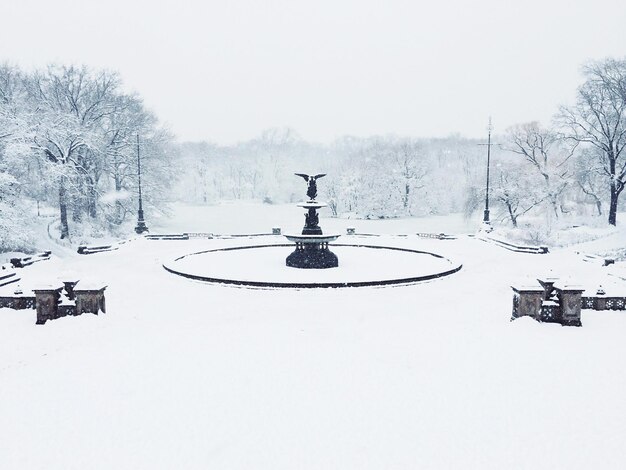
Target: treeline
(372,177)
(68,139)
(574,165)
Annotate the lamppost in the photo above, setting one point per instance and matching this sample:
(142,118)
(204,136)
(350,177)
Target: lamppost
(141,224)
(486,222)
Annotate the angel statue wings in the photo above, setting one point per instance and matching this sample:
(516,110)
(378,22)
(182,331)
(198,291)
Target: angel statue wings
(312,185)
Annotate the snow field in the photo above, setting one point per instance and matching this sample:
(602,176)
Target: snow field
(183,374)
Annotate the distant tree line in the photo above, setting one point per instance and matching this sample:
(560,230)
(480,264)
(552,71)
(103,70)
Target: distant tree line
(375,177)
(68,139)
(574,165)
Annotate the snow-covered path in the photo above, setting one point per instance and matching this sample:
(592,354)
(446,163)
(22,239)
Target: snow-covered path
(181,374)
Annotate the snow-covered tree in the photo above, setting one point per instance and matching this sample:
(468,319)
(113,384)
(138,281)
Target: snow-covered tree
(68,136)
(548,155)
(514,192)
(598,119)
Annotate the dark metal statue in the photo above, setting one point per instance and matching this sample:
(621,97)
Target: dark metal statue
(312,185)
(312,220)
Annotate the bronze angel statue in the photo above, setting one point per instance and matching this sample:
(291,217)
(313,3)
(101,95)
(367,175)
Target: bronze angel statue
(312,185)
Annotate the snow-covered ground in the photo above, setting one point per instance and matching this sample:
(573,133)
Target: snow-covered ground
(182,374)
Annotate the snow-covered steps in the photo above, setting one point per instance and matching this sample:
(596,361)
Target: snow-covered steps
(88,250)
(91,249)
(539,250)
(28,260)
(8,278)
(173,236)
(596,259)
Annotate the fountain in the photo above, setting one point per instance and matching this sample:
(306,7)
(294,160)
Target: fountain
(259,265)
(312,250)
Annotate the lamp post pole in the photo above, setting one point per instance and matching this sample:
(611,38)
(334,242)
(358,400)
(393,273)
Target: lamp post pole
(141,224)
(486,221)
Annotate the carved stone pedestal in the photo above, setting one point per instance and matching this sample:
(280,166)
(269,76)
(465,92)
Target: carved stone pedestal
(90,298)
(527,301)
(570,298)
(47,302)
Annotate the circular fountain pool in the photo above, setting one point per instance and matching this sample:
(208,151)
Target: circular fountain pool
(264,266)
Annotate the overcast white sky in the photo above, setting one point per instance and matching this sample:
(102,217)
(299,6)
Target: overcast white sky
(224,71)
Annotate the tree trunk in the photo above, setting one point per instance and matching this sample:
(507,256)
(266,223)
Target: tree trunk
(77,206)
(552,197)
(65,231)
(77,215)
(555,206)
(614,190)
(513,219)
(91,197)
(512,214)
(613,204)
(119,209)
(407,190)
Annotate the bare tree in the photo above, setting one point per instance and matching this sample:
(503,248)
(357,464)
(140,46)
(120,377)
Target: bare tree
(410,170)
(590,177)
(513,191)
(11,101)
(68,104)
(598,119)
(548,154)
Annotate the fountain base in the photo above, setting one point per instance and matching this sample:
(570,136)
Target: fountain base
(312,256)
(312,252)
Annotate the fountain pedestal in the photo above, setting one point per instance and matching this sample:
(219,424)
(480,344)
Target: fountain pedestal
(312,252)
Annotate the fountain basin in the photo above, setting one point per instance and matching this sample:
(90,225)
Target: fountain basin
(312,252)
(361,266)
(312,205)
(311,239)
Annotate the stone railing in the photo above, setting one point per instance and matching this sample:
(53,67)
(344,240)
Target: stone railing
(548,302)
(52,303)
(58,300)
(18,301)
(604,302)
